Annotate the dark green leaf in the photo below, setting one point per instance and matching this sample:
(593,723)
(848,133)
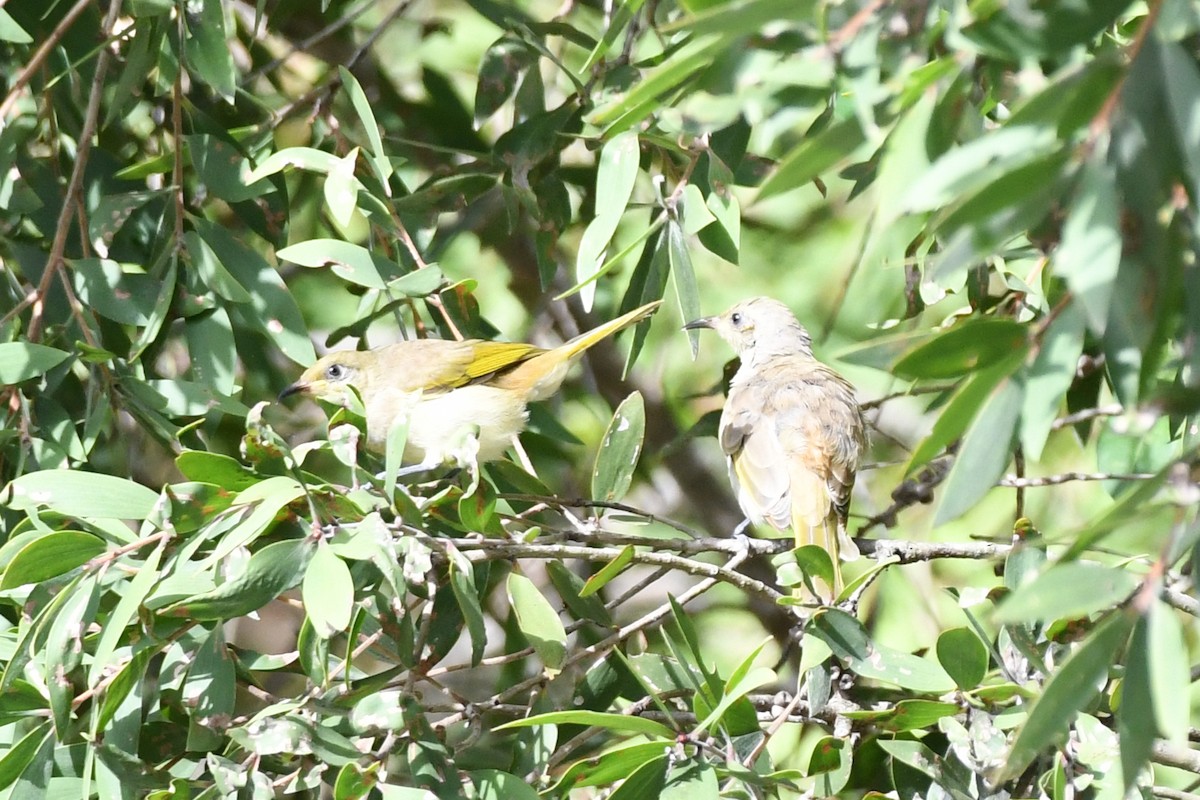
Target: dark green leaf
(984,454)
(964,657)
(967,347)
(269,572)
(849,641)
(50,556)
(617,457)
(813,156)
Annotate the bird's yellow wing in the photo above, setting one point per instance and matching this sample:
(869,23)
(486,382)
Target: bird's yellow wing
(488,358)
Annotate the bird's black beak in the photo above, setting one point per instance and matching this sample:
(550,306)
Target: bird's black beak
(296,388)
(703,322)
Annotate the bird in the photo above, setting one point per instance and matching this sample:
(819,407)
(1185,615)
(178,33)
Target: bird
(791,429)
(451,393)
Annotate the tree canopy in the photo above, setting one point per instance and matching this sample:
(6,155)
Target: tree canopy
(985,213)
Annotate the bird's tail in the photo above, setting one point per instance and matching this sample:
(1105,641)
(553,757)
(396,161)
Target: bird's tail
(816,521)
(549,368)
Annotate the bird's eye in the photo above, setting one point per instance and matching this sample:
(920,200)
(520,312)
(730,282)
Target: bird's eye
(335,372)
(735,318)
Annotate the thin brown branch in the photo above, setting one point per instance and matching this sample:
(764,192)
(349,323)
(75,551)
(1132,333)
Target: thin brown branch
(40,55)
(74,187)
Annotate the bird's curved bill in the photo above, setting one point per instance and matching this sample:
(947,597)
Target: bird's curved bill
(298,387)
(703,322)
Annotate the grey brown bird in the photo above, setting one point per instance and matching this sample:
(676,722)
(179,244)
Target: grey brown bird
(791,429)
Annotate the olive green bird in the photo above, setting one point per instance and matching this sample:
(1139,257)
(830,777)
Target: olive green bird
(450,390)
(791,430)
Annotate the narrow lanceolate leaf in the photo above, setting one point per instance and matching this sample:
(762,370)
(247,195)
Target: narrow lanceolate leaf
(683,276)
(538,620)
(965,348)
(615,176)
(209,691)
(598,719)
(20,361)
(1069,689)
(270,572)
(378,159)
(813,156)
(619,450)
(80,494)
(462,584)
(985,452)
(1049,377)
(1090,251)
(609,571)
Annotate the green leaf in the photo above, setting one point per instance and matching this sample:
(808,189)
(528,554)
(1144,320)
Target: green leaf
(103,285)
(848,640)
(626,723)
(504,62)
(306,158)
(492,784)
(538,621)
(269,573)
(964,170)
(694,780)
(223,168)
(646,782)
(207,48)
(379,159)
(18,757)
(1069,689)
(629,109)
(81,494)
(615,175)
(908,715)
(683,276)
(272,310)
(964,657)
(617,457)
(356,264)
(63,649)
(609,571)
(1049,377)
(1067,590)
(960,412)
(967,347)
(984,454)
(328,592)
(610,766)
(570,588)
(10,31)
(50,556)
(133,592)
(813,156)
(1089,254)
(462,584)
(341,190)
(20,361)
(1166,668)
(209,691)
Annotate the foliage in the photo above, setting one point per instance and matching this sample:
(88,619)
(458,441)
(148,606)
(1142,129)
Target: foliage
(986,212)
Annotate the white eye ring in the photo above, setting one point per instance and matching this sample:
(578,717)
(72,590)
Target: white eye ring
(335,372)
